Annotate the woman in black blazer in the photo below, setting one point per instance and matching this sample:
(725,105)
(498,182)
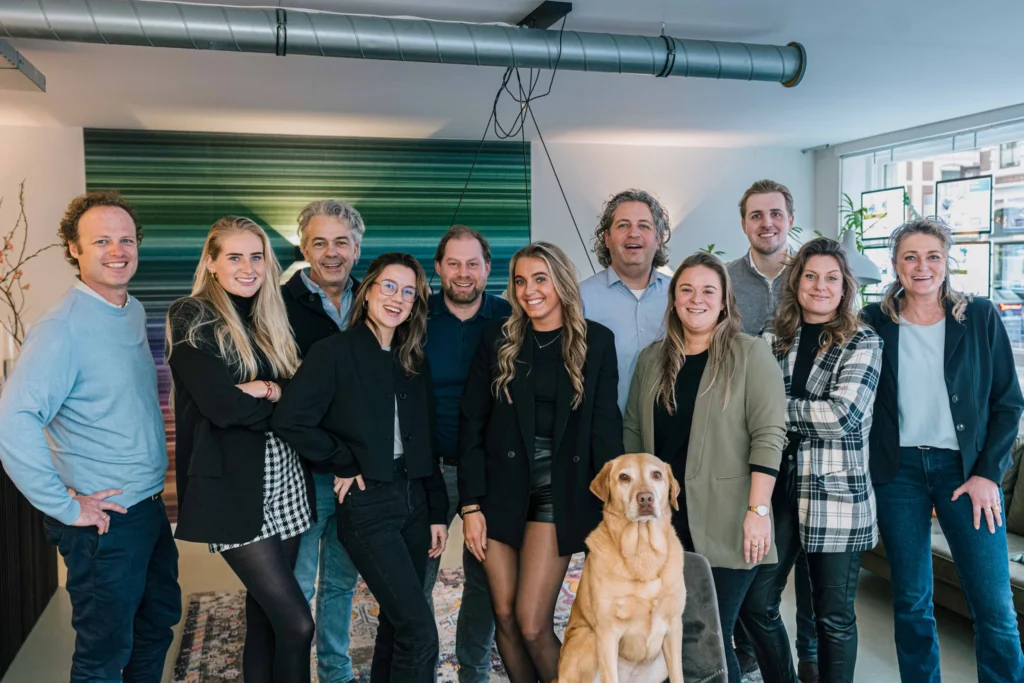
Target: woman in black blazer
(240,488)
(361,402)
(539,419)
(946,415)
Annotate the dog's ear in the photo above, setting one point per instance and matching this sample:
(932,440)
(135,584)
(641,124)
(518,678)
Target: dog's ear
(673,487)
(600,486)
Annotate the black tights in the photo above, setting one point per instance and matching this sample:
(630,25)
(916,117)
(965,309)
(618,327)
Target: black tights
(279,625)
(524,587)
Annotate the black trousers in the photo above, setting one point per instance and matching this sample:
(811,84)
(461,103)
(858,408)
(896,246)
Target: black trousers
(386,532)
(833,579)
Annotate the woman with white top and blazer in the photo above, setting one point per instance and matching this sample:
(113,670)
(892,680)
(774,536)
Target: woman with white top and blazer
(946,415)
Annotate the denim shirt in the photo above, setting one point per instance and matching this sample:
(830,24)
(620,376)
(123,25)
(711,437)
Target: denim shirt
(637,323)
(340,318)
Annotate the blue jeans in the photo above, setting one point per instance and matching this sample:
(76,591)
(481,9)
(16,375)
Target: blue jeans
(927,478)
(321,550)
(125,598)
(731,587)
(474,634)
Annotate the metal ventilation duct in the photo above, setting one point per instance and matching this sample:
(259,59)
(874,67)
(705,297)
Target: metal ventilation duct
(303,32)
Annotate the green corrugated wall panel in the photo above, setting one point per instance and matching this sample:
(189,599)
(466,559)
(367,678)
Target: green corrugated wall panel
(406,190)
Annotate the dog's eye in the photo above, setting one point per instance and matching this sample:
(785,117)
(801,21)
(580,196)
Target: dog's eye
(623,477)
(656,475)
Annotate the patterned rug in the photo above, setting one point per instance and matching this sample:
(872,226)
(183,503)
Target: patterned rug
(211,643)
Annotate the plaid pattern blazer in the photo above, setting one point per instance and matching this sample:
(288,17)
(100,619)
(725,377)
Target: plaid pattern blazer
(836,502)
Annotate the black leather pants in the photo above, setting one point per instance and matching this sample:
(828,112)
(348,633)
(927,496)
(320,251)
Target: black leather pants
(833,590)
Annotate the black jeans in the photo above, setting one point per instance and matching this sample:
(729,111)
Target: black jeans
(386,532)
(833,589)
(125,598)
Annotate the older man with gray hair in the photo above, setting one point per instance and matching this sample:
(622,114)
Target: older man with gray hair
(630,296)
(319,301)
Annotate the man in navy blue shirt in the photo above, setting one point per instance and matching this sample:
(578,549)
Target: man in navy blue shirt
(456,319)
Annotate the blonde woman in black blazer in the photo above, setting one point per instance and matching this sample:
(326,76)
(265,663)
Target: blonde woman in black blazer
(539,420)
(361,402)
(240,487)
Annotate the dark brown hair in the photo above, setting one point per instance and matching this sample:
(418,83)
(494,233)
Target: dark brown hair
(408,340)
(788,320)
(68,230)
(458,232)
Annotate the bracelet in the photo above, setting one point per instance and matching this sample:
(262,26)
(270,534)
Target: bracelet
(468,509)
(270,389)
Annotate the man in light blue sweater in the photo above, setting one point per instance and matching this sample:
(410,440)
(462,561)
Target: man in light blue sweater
(82,437)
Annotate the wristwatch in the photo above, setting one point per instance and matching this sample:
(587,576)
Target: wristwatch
(761,510)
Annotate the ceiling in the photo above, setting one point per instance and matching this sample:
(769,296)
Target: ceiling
(874,66)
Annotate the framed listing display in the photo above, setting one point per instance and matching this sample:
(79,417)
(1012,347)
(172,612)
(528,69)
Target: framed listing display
(969,269)
(884,213)
(879,255)
(965,204)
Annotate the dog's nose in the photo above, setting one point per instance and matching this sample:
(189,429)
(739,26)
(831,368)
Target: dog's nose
(645,499)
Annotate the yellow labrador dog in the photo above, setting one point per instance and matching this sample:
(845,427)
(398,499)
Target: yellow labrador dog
(626,624)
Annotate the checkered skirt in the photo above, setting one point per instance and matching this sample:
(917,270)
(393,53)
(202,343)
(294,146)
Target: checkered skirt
(285,505)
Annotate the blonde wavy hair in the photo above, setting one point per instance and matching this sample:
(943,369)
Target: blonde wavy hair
(270,331)
(789,317)
(951,299)
(408,340)
(673,349)
(574,327)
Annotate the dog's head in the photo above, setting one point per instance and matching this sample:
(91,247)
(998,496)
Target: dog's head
(638,486)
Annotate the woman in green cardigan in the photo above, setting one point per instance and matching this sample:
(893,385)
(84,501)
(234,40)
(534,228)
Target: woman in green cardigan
(710,401)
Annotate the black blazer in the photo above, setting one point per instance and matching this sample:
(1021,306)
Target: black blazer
(496,440)
(984,396)
(220,439)
(310,323)
(339,410)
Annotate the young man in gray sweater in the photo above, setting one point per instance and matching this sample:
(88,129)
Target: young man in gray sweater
(766,212)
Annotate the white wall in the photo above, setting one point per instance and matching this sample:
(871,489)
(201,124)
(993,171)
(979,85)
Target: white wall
(700,187)
(51,161)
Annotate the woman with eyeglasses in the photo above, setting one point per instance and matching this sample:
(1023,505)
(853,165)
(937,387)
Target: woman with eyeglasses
(361,402)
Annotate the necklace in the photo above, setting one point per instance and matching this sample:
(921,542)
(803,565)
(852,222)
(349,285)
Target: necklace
(544,346)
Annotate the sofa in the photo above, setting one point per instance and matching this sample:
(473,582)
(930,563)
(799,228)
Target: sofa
(947,585)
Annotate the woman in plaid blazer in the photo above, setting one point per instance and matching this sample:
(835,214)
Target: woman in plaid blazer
(823,500)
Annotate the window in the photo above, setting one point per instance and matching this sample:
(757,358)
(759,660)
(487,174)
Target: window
(918,173)
(1009,155)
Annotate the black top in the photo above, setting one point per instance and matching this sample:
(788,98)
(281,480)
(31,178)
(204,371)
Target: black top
(984,394)
(451,345)
(806,352)
(497,439)
(219,432)
(672,434)
(547,358)
(310,323)
(339,411)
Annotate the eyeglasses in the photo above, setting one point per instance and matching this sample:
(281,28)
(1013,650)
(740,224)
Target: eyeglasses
(390,288)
